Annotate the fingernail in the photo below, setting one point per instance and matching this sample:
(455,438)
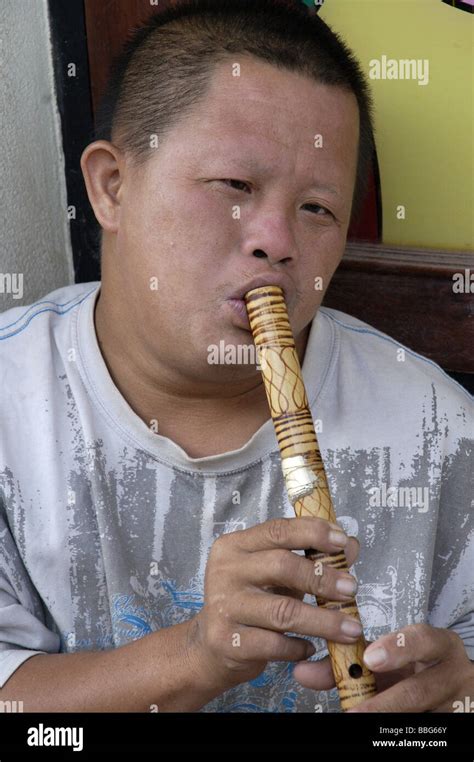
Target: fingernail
(310,650)
(351,627)
(376,657)
(338,538)
(346,586)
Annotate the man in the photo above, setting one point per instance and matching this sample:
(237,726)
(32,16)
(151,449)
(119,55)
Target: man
(147,542)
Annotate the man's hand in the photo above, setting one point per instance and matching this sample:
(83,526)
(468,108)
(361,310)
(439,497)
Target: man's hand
(426,670)
(252,597)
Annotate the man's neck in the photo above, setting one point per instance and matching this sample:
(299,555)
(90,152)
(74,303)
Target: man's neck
(203,420)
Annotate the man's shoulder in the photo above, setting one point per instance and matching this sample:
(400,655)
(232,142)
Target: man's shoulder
(397,366)
(35,344)
(27,324)
(34,339)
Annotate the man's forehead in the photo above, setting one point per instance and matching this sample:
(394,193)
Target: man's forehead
(252,152)
(263,110)
(232,127)
(256,148)
(266,128)
(246,114)
(260,87)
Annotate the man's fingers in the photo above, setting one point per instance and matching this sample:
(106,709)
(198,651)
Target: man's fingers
(352,550)
(293,534)
(415,643)
(316,675)
(259,645)
(286,591)
(282,568)
(282,614)
(420,693)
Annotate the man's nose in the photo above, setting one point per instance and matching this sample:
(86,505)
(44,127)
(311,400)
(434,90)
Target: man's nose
(274,259)
(270,232)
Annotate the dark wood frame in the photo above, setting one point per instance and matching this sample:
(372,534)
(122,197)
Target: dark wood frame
(408,294)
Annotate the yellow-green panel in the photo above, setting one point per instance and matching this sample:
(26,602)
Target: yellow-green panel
(424,133)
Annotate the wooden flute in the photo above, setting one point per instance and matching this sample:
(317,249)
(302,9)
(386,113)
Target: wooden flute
(302,465)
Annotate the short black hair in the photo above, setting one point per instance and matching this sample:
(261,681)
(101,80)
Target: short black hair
(166,66)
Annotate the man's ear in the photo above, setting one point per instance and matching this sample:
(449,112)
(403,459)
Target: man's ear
(102,165)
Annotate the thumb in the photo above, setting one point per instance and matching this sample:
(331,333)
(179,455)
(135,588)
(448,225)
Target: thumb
(317,675)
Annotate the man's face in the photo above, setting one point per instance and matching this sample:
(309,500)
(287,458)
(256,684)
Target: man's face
(238,174)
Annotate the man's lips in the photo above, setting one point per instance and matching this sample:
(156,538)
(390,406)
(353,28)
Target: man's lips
(236,300)
(239,312)
(285,283)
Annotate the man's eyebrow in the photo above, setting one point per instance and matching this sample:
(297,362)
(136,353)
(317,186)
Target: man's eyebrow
(328,188)
(253,165)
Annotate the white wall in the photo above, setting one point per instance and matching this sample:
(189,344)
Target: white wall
(34,231)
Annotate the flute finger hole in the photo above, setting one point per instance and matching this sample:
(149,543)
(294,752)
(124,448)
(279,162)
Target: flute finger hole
(355,671)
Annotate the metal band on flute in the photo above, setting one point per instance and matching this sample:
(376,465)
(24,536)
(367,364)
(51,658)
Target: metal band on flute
(302,465)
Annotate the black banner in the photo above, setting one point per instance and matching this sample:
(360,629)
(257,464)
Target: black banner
(84,736)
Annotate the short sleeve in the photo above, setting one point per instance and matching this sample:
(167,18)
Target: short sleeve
(23,632)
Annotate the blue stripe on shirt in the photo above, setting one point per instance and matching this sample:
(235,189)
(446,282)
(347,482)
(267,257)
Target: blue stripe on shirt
(58,311)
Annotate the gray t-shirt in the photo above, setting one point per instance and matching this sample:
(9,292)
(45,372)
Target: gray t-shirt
(106,526)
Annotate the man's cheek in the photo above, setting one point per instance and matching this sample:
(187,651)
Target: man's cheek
(317,280)
(304,311)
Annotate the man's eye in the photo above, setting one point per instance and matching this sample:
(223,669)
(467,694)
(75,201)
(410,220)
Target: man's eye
(236,184)
(321,208)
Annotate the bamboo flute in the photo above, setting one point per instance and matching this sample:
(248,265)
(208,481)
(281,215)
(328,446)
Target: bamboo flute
(302,466)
